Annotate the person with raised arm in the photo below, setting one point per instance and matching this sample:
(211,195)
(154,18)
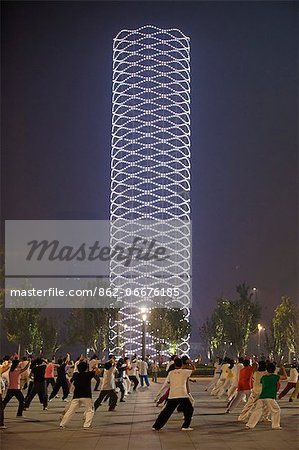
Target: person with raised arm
(177,380)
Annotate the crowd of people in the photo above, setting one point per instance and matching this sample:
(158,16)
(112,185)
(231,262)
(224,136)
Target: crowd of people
(256,383)
(249,385)
(72,378)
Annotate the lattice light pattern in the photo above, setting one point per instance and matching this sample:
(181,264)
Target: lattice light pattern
(150,171)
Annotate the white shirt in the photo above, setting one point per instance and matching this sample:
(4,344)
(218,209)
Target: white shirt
(133,370)
(224,368)
(236,371)
(257,385)
(109,379)
(177,380)
(293,378)
(143,367)
(170,363)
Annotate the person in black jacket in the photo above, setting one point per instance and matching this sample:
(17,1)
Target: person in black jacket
(61,381)
(38,368)
(82,395)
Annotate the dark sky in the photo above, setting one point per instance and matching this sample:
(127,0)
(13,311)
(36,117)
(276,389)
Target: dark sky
(56,104)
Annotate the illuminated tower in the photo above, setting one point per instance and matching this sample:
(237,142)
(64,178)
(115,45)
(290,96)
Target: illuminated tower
(150,172)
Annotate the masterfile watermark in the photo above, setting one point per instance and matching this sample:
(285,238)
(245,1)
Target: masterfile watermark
(122,262)
(96,248)
(140,250)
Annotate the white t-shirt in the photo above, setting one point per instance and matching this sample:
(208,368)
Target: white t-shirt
(109,379)
(143,367)
(224,368)
(133,370)
(257,385)
(177,380)
(170,363)
(293,378)
(236,371)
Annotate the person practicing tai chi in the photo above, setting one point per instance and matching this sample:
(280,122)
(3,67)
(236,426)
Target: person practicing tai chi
(292,381)
(267,398)
(14,389)
(82,396)
(244,385)
(108,387)
(177,380)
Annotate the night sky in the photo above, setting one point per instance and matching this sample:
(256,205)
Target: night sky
(56,129)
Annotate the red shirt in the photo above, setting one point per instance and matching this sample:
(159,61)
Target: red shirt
(14,378)
(245,379)
(49,373)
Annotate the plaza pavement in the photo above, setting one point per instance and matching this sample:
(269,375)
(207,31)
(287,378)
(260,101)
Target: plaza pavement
(129,427)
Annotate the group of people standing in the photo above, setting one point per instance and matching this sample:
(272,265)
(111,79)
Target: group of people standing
(71,377)
(257,383)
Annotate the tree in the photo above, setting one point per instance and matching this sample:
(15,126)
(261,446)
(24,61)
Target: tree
(233,321)
(206,335)
(23,328)
(168,326)
(91,327)
(285,327)
(49,335)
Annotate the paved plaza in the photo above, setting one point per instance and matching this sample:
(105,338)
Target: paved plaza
(129,427)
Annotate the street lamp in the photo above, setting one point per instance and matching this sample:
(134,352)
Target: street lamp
(254,290)
(260,329)
(144,317)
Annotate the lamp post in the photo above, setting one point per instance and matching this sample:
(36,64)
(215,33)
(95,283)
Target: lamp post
(144,317)
(260,329)
(254,290)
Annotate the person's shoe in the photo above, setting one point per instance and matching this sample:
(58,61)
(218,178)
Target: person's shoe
(266,419)
(57,396)
(155,429)
(50,400)
(3,427)
(62,427)
(227,411)
(96,390)
(65,400)
(111,409)
(290,400)
(87,428)
(187,429)
(276,428)
(123,401)
(248,428)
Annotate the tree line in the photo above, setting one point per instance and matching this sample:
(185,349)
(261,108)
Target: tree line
(234,321)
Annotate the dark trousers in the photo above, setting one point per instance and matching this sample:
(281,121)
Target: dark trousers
(288,387)
(60,384)
(120,385)
(171,405)
(164,397)
(39,388)
(135,381)
(1,412)
(98,381)
(50,381)
(142,379)
(111,394)
(19,396)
